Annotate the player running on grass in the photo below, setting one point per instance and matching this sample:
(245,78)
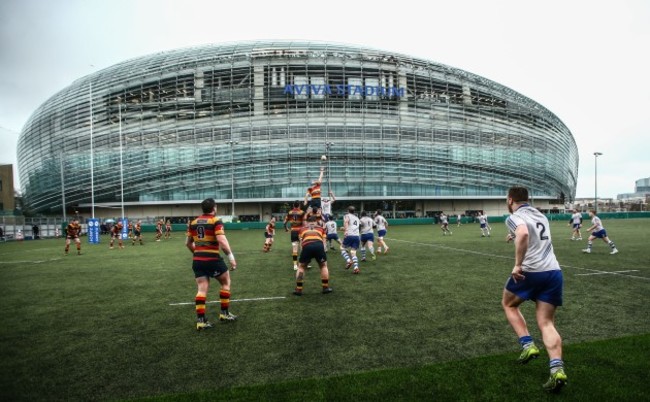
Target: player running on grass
(536,276)
(599,232)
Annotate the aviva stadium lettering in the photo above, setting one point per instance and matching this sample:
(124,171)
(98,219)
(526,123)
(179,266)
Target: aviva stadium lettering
(326,89)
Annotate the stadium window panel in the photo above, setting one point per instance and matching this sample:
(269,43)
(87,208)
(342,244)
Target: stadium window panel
(354,89)
(318,88)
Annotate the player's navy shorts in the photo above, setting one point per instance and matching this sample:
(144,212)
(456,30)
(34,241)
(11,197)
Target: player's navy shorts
(315,203)
(601,234)
(295,236)
(332,236)
(211,269)
(545,286)
(381,233)
(313,250)
(576,225)
(483,225)
(351,242)
(365,237)
(268,235)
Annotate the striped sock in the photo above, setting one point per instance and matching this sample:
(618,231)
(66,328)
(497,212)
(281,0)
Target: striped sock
(526,341)
(556,365)
(224,299)
(199,300)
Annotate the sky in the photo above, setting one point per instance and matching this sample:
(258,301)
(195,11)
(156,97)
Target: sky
(587,61)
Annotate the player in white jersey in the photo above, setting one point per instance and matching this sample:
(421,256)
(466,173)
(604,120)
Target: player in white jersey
(536,276)
(366,226)
(459,218)
(576,223)
(485,227)
(382,224)
(444,224)
(351,240)
(326,206)
(598,232)
(330,229)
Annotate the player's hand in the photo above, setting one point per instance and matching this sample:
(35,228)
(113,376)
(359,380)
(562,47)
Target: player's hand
(517,274)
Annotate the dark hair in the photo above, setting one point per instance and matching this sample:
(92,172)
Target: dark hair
(363,213)
(296,204)
(378,212)
(312,218)
(351,209)
(207,205)
(518,194)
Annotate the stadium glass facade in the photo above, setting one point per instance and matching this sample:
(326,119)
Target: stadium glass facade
(255,118)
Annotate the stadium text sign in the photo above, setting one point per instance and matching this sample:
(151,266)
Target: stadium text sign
(341,89)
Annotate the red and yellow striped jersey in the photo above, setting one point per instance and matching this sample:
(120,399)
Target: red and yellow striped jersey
(309,235)
(270,228)
(295,217)
(117,228)
(315,191)
(204,231)
(73,230)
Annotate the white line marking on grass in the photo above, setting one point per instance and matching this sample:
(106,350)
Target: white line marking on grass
(606,272)
(232,301)
(594,271)
(29,262)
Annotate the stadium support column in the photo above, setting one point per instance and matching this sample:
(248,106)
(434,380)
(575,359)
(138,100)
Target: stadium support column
(403,103)
(232,144)
(258,88)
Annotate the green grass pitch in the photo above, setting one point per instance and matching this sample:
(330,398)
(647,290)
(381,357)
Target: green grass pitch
(423,322)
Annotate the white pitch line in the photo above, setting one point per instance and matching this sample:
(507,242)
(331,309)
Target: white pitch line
(232,301)
(606,272)
(29,262)
(595,271)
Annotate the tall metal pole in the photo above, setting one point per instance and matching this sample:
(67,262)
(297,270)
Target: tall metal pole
(92,152)
(596,155)
(119,113)
(65,218)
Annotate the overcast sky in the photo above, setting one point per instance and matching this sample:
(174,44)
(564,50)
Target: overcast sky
(586,61)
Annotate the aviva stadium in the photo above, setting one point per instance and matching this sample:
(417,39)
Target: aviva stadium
(247,123)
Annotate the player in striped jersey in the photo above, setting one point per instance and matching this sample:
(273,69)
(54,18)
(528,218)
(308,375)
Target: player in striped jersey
(312,239)
(269,232)
(314,192)
(72,232)
(536,276)
(295,218)
(116,233)
(137,233)
(205,237)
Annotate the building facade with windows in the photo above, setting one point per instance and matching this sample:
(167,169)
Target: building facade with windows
(247,123)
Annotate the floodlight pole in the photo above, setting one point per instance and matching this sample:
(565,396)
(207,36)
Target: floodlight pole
(92,159)
(65,218)
(596,155)
(119,113)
